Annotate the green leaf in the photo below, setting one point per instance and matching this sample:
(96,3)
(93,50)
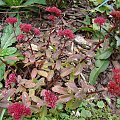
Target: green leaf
(118,3)
(30,2)
(87,29)
(8,37)
(104,54)
(85,113)
(8,51)
(118,101)
(81,119)
(1,85)
(100,104)
(13,2)
(101,66)
(2,70)
(2,3)
(43,112)
(118,40)
(76,104)
(100,1)
(59,106)
(87,20)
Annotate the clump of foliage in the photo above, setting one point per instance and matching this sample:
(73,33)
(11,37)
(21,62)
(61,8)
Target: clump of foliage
(46,78)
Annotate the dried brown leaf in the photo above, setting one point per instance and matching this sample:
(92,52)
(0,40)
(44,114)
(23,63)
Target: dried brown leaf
(35,108)
(34,47)
(80,95)
(35,99)
(78,69)
(42,73)
(56,54)
(58,65)
(26,99)
(29,84)
(72,86)
(32,58)
(86,87)
(50,75)
(34,73)
(4,103)
(42,92)
(40,103)
(116,64)
(40,83)
(31,92)
(9,93)
(20,89)
(48,54)
(66,72)
(60,90)
(64,98)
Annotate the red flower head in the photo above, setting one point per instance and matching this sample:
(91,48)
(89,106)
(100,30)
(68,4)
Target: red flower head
(18,110)
(60,32)
(50,98)
(11,20)
(114,86)
(54,10)
(20,37)
(116,76)
(11,80)
(66,33)
(115,14)
(25,27)
(36,31)
(100,21)
(52,17)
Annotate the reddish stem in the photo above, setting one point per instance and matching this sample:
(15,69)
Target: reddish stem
(49,39)
(99,43)
(7,65)
(30,46)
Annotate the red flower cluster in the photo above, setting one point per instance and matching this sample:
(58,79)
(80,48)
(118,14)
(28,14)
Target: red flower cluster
(36,31)
(11,80)
(115,14)
(66,33)
(54,10)
(100,21)
(52,17)
(50,98)
(25,27)
(18,110)
(20,37)
(114,86)
(11,20)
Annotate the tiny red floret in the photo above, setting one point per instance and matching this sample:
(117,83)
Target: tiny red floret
(18,110)
(66,33)
(115,14)
(50,98)
(114,86)
(100,21)
(52,17)
(11,20)
(36,31)
(54,10)
(25,27)
(20,37)
(11,80)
